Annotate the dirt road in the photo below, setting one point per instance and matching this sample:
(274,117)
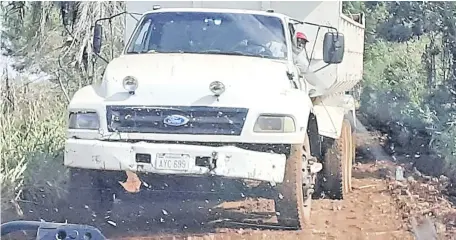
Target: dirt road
(369,212)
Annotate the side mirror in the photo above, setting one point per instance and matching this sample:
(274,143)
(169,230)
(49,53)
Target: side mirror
(333,48)
(97,34)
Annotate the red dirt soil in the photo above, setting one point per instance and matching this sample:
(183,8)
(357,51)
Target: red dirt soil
(369,212)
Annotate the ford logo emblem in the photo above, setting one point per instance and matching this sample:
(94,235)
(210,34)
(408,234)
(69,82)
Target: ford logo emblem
(175,120)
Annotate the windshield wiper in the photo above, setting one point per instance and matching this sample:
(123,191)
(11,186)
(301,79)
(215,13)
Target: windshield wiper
(136,52)
(235,53)
(159,51)
(143,51)
(156,51)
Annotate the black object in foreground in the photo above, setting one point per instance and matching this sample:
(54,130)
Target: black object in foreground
(59,231)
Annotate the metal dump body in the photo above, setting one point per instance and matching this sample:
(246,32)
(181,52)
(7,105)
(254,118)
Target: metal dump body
(341,77)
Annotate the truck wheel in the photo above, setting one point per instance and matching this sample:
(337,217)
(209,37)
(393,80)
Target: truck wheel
(338,163)
(352,149)
(89,188)
(289,205)
(353,134)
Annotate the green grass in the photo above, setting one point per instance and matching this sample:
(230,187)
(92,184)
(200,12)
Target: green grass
(32,148)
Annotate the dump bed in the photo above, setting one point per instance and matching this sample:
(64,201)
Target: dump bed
(341,77)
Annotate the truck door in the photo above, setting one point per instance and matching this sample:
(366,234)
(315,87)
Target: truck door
(296,51)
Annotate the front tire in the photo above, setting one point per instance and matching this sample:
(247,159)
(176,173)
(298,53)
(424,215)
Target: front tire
(289,205)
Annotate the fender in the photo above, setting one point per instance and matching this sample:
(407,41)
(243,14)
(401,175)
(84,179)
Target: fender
(309,107)
(86,98)
(330,113)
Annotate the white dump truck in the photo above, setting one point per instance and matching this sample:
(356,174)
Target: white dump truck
(237,90)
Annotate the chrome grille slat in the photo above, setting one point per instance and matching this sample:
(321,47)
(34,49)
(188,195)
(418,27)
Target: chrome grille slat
(202,120)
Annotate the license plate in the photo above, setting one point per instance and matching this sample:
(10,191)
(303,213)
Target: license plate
(172,161)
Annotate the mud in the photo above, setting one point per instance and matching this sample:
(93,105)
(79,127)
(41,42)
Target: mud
(369,212)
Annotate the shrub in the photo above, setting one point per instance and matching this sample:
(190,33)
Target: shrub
(32,148)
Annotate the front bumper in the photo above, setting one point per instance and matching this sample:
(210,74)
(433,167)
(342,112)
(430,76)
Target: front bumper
(175,159)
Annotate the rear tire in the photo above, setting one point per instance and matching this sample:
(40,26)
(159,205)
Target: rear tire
(354,146)
(353,133)
(349,162)
(289,205)
(337,165)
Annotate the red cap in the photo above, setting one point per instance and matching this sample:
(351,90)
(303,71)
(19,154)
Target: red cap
(301,35)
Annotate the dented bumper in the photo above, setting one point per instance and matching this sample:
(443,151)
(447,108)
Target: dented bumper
(175,159)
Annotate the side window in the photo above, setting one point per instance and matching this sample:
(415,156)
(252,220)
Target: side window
(294,45)
(292,33)
(139,44)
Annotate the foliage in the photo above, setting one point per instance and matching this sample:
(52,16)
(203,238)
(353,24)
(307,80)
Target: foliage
(393,81)
(54,40)
(409,71)
(31,147)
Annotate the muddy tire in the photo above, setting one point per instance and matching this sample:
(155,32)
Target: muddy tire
(307,198)
(90,188)
(353,134)
(337,164)
(289,205)
(352,150)
(353,142)
(354,147)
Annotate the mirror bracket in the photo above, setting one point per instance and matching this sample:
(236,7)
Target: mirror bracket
(97,33)
(333,43)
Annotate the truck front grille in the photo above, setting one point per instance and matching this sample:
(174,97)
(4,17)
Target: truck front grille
(151,119)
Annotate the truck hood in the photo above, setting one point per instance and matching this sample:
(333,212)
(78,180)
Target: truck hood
(194,72)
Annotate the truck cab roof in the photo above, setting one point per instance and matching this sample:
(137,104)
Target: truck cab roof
(219,10)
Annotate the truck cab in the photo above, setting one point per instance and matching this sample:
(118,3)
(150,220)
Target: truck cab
(204,92)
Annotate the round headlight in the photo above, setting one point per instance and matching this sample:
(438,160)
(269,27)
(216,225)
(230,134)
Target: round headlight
(217,88)
(130,84)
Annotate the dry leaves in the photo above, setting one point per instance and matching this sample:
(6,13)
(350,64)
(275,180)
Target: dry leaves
(421,198)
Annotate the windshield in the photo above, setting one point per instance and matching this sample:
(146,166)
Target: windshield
(210,33)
